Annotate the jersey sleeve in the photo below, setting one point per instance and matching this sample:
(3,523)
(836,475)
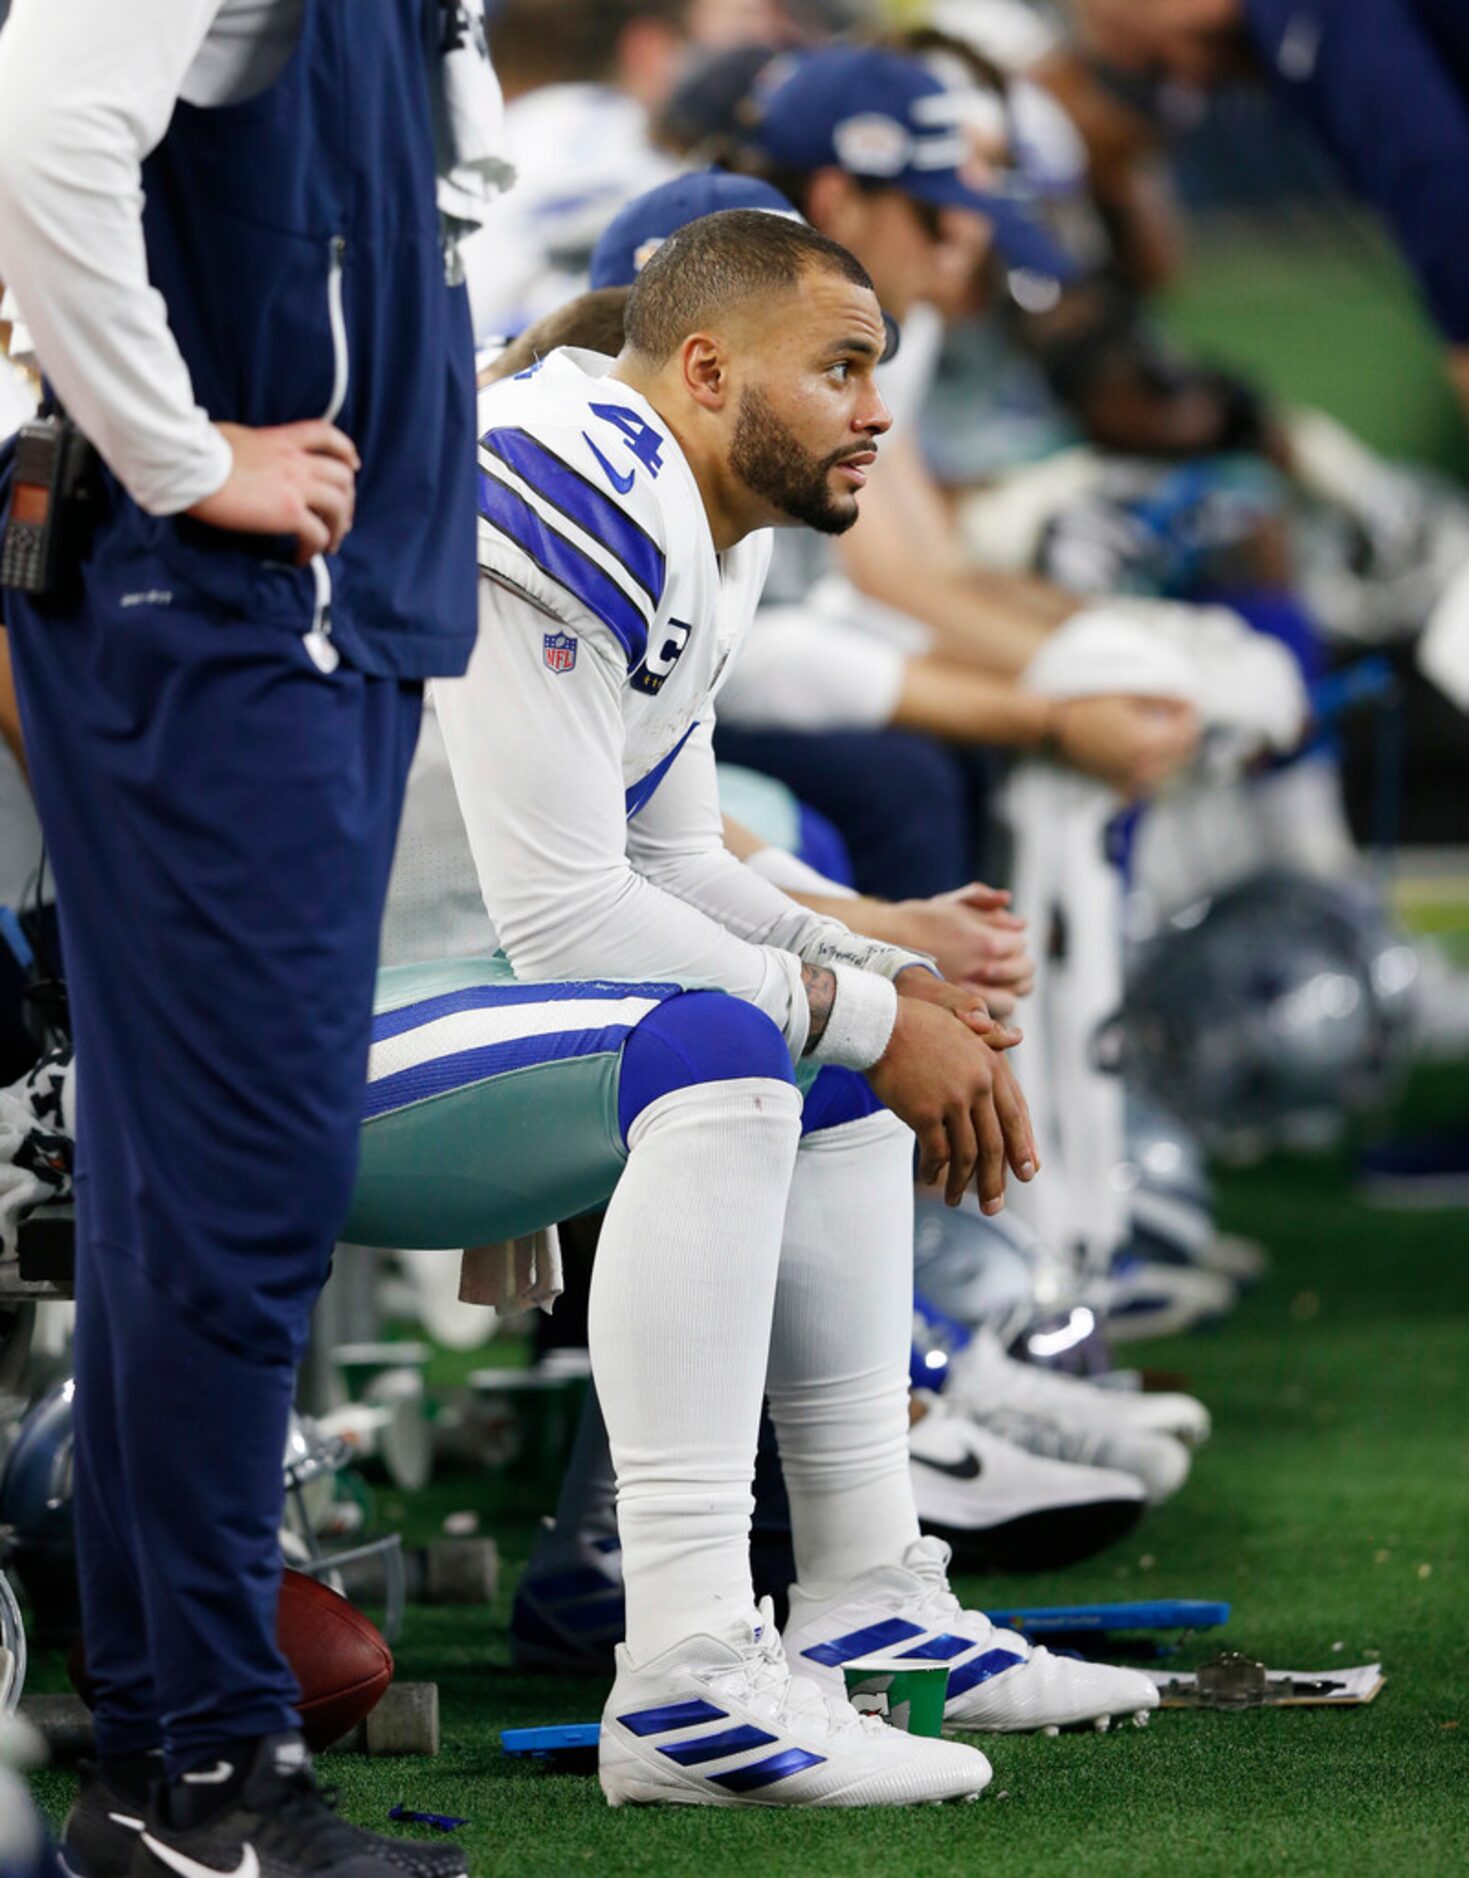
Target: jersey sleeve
(86,92)
(1382,81)
(536,757)
(574,522)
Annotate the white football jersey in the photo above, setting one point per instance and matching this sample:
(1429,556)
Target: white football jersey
(584,495)
(580,738)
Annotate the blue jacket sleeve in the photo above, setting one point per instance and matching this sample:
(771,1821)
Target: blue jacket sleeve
(1386,85)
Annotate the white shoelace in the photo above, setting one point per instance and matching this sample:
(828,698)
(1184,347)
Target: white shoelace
(762,1681)
(928,1559)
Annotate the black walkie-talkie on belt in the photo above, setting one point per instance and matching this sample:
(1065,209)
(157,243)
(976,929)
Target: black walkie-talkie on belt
(50,492)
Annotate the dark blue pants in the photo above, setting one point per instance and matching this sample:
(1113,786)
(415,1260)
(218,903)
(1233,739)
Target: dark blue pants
(221,816)
(900,801)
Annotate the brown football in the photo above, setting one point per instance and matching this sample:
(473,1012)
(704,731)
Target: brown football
(339,1658)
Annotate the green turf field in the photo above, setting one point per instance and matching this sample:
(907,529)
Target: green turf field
(1325,318)
(1332,1506)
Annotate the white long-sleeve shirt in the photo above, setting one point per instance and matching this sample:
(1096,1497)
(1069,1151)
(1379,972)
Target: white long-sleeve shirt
(580,738)
(87,90)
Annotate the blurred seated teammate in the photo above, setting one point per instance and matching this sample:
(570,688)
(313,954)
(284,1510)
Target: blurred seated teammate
(581,78)
(879,153)
(661,995)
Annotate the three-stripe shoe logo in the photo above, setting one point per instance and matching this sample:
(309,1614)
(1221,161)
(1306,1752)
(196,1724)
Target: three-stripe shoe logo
(676,1718)
(970,1662)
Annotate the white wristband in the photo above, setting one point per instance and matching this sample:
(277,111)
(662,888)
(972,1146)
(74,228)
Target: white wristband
(835,946)
(863,1014)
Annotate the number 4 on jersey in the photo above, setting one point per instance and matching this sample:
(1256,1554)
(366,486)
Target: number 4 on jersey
(645,443)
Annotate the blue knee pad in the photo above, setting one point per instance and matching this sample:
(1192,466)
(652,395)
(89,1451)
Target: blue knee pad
(697,1037)
(837,1096)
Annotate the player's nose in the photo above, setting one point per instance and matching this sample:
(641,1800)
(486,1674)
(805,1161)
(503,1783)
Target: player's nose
(872,415)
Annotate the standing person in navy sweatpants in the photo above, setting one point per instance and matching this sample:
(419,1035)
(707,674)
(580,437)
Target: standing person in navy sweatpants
(220,702)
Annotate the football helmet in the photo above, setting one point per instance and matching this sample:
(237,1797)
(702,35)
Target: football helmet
(1269,1011)
(12,1650)
(36,1517)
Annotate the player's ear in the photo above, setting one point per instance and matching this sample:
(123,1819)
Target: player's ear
(705,370)
(834,204)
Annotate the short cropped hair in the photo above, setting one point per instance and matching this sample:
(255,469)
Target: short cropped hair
(718,261)
(593,321)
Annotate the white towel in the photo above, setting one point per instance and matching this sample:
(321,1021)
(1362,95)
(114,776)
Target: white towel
(469,120)
(514,1274)
(1242,683)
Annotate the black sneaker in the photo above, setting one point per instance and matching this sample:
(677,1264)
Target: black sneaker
(280,1825)
(101,1830)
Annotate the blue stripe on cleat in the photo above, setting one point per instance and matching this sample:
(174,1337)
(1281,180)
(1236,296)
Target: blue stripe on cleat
(766,1773)
(942,1649)
(863,1642)
(657,1721)
(715,1747)
(981,1669)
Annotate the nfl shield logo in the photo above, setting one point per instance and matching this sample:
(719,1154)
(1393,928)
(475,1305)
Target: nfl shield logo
(559,652)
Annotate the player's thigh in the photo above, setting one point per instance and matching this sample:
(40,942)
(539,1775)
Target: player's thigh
(495,1108)
(491,1106)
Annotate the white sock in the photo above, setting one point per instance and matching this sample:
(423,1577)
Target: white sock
(838,1380)
(682,1295)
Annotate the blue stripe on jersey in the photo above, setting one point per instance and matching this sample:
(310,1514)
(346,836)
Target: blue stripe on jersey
(641,793)
(581,501)
(443,1074)
(423,1011)
(863,1642)
(564,563)
(763,1773)
(980,1669)
(657,1721)
(716,1747)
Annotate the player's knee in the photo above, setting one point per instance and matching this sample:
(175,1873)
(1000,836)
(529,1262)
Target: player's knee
(696,1038)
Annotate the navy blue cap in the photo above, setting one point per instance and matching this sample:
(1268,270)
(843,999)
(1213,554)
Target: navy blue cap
(635,231)
(881,115)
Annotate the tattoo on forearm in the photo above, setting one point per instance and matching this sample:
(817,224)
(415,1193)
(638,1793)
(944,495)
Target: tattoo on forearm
(821,990)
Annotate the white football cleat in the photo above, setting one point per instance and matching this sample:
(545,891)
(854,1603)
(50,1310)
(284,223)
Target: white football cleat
(1004,1508)
(1159,1463)
(1075,1420)
(998,1683)
(1141,1297)
(720,1722)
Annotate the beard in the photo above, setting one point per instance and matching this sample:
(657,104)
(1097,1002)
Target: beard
(772,461)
